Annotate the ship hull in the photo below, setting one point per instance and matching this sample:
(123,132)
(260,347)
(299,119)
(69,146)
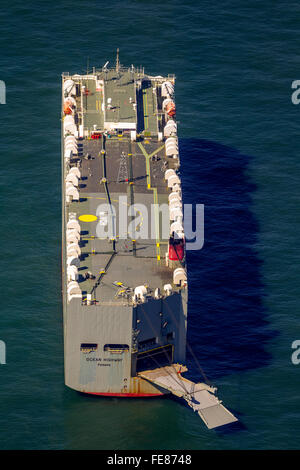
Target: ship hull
(109,336)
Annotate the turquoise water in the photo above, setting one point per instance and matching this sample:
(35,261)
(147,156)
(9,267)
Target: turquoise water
(239,132)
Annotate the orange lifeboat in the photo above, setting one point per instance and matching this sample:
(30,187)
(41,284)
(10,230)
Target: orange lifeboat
(68,107)
(171,109)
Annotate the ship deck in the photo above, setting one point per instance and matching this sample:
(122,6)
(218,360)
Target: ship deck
(132,263)
(116,166)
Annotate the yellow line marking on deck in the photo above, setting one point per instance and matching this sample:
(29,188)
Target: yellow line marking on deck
(156,213)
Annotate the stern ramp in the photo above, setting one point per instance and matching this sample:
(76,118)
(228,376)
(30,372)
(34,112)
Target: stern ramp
(199,396)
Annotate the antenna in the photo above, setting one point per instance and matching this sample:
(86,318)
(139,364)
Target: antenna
(87,65)
(117,61)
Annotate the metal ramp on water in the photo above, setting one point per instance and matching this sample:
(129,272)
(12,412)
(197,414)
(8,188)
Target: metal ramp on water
(200,396)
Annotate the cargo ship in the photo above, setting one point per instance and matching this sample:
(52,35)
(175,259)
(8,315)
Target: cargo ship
(124,278)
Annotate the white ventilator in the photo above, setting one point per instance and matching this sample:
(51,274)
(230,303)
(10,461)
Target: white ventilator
(179,276)
(168,289)
(140,292)
(157,293)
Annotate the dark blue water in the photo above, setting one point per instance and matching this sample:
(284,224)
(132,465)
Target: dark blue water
(234,63)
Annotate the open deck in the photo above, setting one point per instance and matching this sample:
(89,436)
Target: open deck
(120,171)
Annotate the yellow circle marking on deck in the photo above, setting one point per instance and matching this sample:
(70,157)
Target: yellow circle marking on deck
(87,218)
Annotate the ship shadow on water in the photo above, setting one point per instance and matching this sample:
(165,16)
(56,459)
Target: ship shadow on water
(227,321)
